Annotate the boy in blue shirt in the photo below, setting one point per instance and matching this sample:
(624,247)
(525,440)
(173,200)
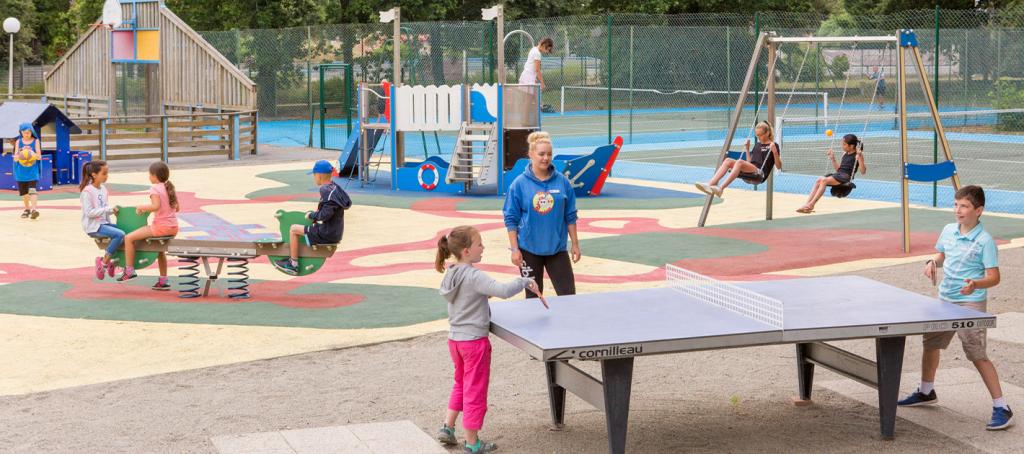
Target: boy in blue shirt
(968,257)
(328,220)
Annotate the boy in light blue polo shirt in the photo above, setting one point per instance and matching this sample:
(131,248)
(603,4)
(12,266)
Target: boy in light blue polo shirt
(970,263)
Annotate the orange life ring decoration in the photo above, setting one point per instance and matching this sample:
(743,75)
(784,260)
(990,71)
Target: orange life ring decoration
(437,177)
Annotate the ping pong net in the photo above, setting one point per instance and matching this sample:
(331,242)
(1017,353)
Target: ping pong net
(724,295)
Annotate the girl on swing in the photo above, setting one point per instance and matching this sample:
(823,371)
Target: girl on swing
(841,179)
(756,166)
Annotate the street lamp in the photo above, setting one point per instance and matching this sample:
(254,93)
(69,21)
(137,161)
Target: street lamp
(11,26)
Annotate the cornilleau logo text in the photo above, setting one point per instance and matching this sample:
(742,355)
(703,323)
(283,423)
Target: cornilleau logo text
(614,350)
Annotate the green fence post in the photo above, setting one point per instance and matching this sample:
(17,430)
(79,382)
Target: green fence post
(757,76)
(348,98)
(935,136)
(309,100)
(608,65)
(323,140)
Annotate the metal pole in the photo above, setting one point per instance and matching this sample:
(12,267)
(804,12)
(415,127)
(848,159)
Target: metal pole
(935,136)
(309,101)
(10,70)
(608,65)
(630,84)
(728,66)
(323,110)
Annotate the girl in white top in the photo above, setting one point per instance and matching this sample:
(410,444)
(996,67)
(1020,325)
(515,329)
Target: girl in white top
(96,211)
(532,73)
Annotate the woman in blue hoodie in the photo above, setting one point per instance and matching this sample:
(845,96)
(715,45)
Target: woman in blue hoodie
(540,212)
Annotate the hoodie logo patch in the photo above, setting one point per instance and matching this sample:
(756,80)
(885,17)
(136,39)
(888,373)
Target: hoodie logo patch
(543,202)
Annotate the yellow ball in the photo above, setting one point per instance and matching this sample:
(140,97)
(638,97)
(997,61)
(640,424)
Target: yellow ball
(828,132)
(25,157)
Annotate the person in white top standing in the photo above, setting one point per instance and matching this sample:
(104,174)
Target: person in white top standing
(531,72)
(526,111)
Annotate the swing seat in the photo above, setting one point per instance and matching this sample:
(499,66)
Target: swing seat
(842,190)
(749,178)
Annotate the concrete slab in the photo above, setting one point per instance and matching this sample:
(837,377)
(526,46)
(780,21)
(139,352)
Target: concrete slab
(1009,328)
(371,438)
(963,410)
(269,442)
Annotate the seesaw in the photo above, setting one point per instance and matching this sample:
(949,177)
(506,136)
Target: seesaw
(214,254)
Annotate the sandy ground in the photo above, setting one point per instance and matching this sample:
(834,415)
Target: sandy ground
(716,401)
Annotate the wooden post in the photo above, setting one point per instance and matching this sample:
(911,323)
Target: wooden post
(772,61)
(905,186)
(103,139)
(234,137)
(735,121)
(164,152)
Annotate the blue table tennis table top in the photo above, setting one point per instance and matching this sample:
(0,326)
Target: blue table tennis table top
(664,320)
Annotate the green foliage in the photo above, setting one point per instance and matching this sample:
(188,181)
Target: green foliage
(24,11)
(1008,95)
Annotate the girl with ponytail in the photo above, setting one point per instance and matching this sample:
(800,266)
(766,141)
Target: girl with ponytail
(841,181)
(164,202)
(467,290)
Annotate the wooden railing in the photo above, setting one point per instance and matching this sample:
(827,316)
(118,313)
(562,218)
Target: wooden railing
(165,137)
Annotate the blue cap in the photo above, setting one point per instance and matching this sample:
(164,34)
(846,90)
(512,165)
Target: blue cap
(27,127)
(321,166)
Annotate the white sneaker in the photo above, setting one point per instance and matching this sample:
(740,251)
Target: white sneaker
(704,188)
(717,191)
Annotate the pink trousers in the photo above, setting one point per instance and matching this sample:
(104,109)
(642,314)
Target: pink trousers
(472,373)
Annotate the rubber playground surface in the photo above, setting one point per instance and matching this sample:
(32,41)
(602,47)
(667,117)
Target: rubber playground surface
(64,328)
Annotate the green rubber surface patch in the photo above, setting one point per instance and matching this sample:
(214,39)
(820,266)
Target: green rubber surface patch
(375,306)
(658,248)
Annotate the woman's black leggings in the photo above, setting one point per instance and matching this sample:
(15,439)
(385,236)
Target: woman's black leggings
(558,267)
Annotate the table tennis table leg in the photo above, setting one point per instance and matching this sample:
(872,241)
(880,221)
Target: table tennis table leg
(889,358)
(804,371)
(556,396)
(617,377)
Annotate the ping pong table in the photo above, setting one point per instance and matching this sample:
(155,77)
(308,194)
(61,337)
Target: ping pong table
(693,312)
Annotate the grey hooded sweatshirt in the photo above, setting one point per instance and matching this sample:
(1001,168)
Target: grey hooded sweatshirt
(467,290)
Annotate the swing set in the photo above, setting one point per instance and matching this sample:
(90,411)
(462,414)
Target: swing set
(907,43)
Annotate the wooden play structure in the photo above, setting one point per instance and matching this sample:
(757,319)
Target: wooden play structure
(189,99)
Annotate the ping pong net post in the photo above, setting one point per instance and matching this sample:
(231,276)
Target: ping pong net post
(726,296)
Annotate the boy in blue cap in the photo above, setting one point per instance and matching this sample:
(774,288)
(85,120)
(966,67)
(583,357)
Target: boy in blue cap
(969,260)
(27,176)
(328,219)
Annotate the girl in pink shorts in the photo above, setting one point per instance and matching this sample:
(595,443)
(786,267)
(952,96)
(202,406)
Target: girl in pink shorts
(164,203)
(467,290)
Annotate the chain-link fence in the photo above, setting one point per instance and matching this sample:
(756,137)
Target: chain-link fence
(666,83)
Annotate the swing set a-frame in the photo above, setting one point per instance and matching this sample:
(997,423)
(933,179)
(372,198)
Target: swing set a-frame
(906,39)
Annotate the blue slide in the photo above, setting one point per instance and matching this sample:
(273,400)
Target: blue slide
(348,160)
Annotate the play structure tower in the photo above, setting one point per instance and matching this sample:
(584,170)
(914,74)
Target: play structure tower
(492,121)
(178,69)
(906,39)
